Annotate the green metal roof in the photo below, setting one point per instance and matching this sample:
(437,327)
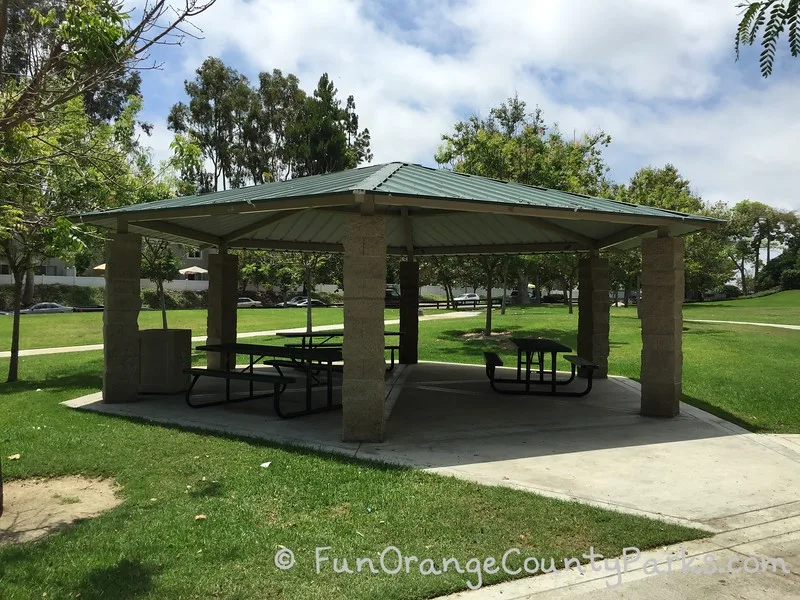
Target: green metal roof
(404,179)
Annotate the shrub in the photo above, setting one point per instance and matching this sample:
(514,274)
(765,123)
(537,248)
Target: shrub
(790,279)
(553,299)
(731,291)
(175,299)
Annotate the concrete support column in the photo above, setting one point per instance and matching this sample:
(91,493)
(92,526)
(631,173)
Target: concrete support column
(409,312)
(594,305)
(223,272)
(120,318)
(363,389)
(662,325)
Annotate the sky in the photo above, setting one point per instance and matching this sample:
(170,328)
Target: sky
(660,77)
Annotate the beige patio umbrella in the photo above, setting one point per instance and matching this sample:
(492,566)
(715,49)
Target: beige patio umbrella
(101,267)
(193,271)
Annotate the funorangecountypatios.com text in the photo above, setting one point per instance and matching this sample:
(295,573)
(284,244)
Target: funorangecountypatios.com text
(392,561)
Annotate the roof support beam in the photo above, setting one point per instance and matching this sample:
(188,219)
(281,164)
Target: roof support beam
(494,249)
(408,231)
(283,245)
(624,235)
(178,230)
(560,230)
(260,223)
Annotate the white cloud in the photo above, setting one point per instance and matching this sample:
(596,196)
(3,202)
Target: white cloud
(659,77)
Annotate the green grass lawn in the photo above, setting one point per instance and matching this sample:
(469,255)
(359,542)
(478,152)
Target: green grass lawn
(77,329)
(151,546)
(783,308)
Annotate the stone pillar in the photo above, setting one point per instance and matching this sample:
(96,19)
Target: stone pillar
(363,389)
(223,272)
(662,325)
(594,306)
(409,312)
(120,318)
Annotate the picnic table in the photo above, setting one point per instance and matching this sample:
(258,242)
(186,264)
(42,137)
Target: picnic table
(537,348)
(308,360)
(325,338)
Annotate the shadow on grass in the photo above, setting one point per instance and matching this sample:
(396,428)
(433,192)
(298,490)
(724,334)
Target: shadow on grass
(79,381)
(123,580)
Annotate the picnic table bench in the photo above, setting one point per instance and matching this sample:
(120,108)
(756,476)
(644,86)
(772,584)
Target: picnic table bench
(308,360)
(538,347)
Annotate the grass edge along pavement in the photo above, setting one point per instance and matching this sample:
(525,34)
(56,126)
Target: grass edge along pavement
(151,546)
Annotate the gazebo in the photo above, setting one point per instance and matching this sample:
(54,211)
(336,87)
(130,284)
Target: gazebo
(408,210)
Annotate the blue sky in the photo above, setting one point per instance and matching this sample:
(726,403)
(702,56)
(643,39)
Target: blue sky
(660,78)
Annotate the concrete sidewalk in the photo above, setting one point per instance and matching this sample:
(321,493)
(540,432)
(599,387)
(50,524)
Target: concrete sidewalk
(248,334)
(775,325)
(699,569)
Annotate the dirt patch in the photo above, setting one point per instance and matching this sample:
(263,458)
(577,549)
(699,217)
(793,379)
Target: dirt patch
(502,338)
(35,507)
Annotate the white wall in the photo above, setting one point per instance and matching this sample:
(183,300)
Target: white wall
(178,284)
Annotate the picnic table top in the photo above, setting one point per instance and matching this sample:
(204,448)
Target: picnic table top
(326,333)
(320,353)
(539,345)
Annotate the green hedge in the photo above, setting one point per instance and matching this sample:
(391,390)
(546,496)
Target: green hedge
(790,279)
(76,295)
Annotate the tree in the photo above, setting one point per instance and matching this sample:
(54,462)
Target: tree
(219,100)
(707,255)
(516,146)
(102,169)
(440,270)
(325,138)
(159,265)
(52,52)
(512,144)
(492,267)
(770,18)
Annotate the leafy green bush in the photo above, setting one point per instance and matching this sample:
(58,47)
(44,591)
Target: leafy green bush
(175,299)
(68,295)
(731,291)
(85,296)
(790,279)
(553,299)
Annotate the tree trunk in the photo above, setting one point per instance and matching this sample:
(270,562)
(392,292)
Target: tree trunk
(569,299)
(488,330)
(626,296)
(13,363)
(522,289)
(769,246)
(449,295)
(743,275)
(30,282)
(160,288)
(308,308)
(538,289)
(639,297)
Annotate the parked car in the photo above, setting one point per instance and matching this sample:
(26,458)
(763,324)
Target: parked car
(392,297)
(247,303)
(467,299)
(291,302)
(46,307)
(314,302)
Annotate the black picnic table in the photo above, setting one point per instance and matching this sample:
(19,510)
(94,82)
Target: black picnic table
(539,347)
(309,360)
(325,336)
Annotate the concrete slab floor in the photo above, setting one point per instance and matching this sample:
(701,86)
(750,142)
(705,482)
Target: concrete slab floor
(696,469)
